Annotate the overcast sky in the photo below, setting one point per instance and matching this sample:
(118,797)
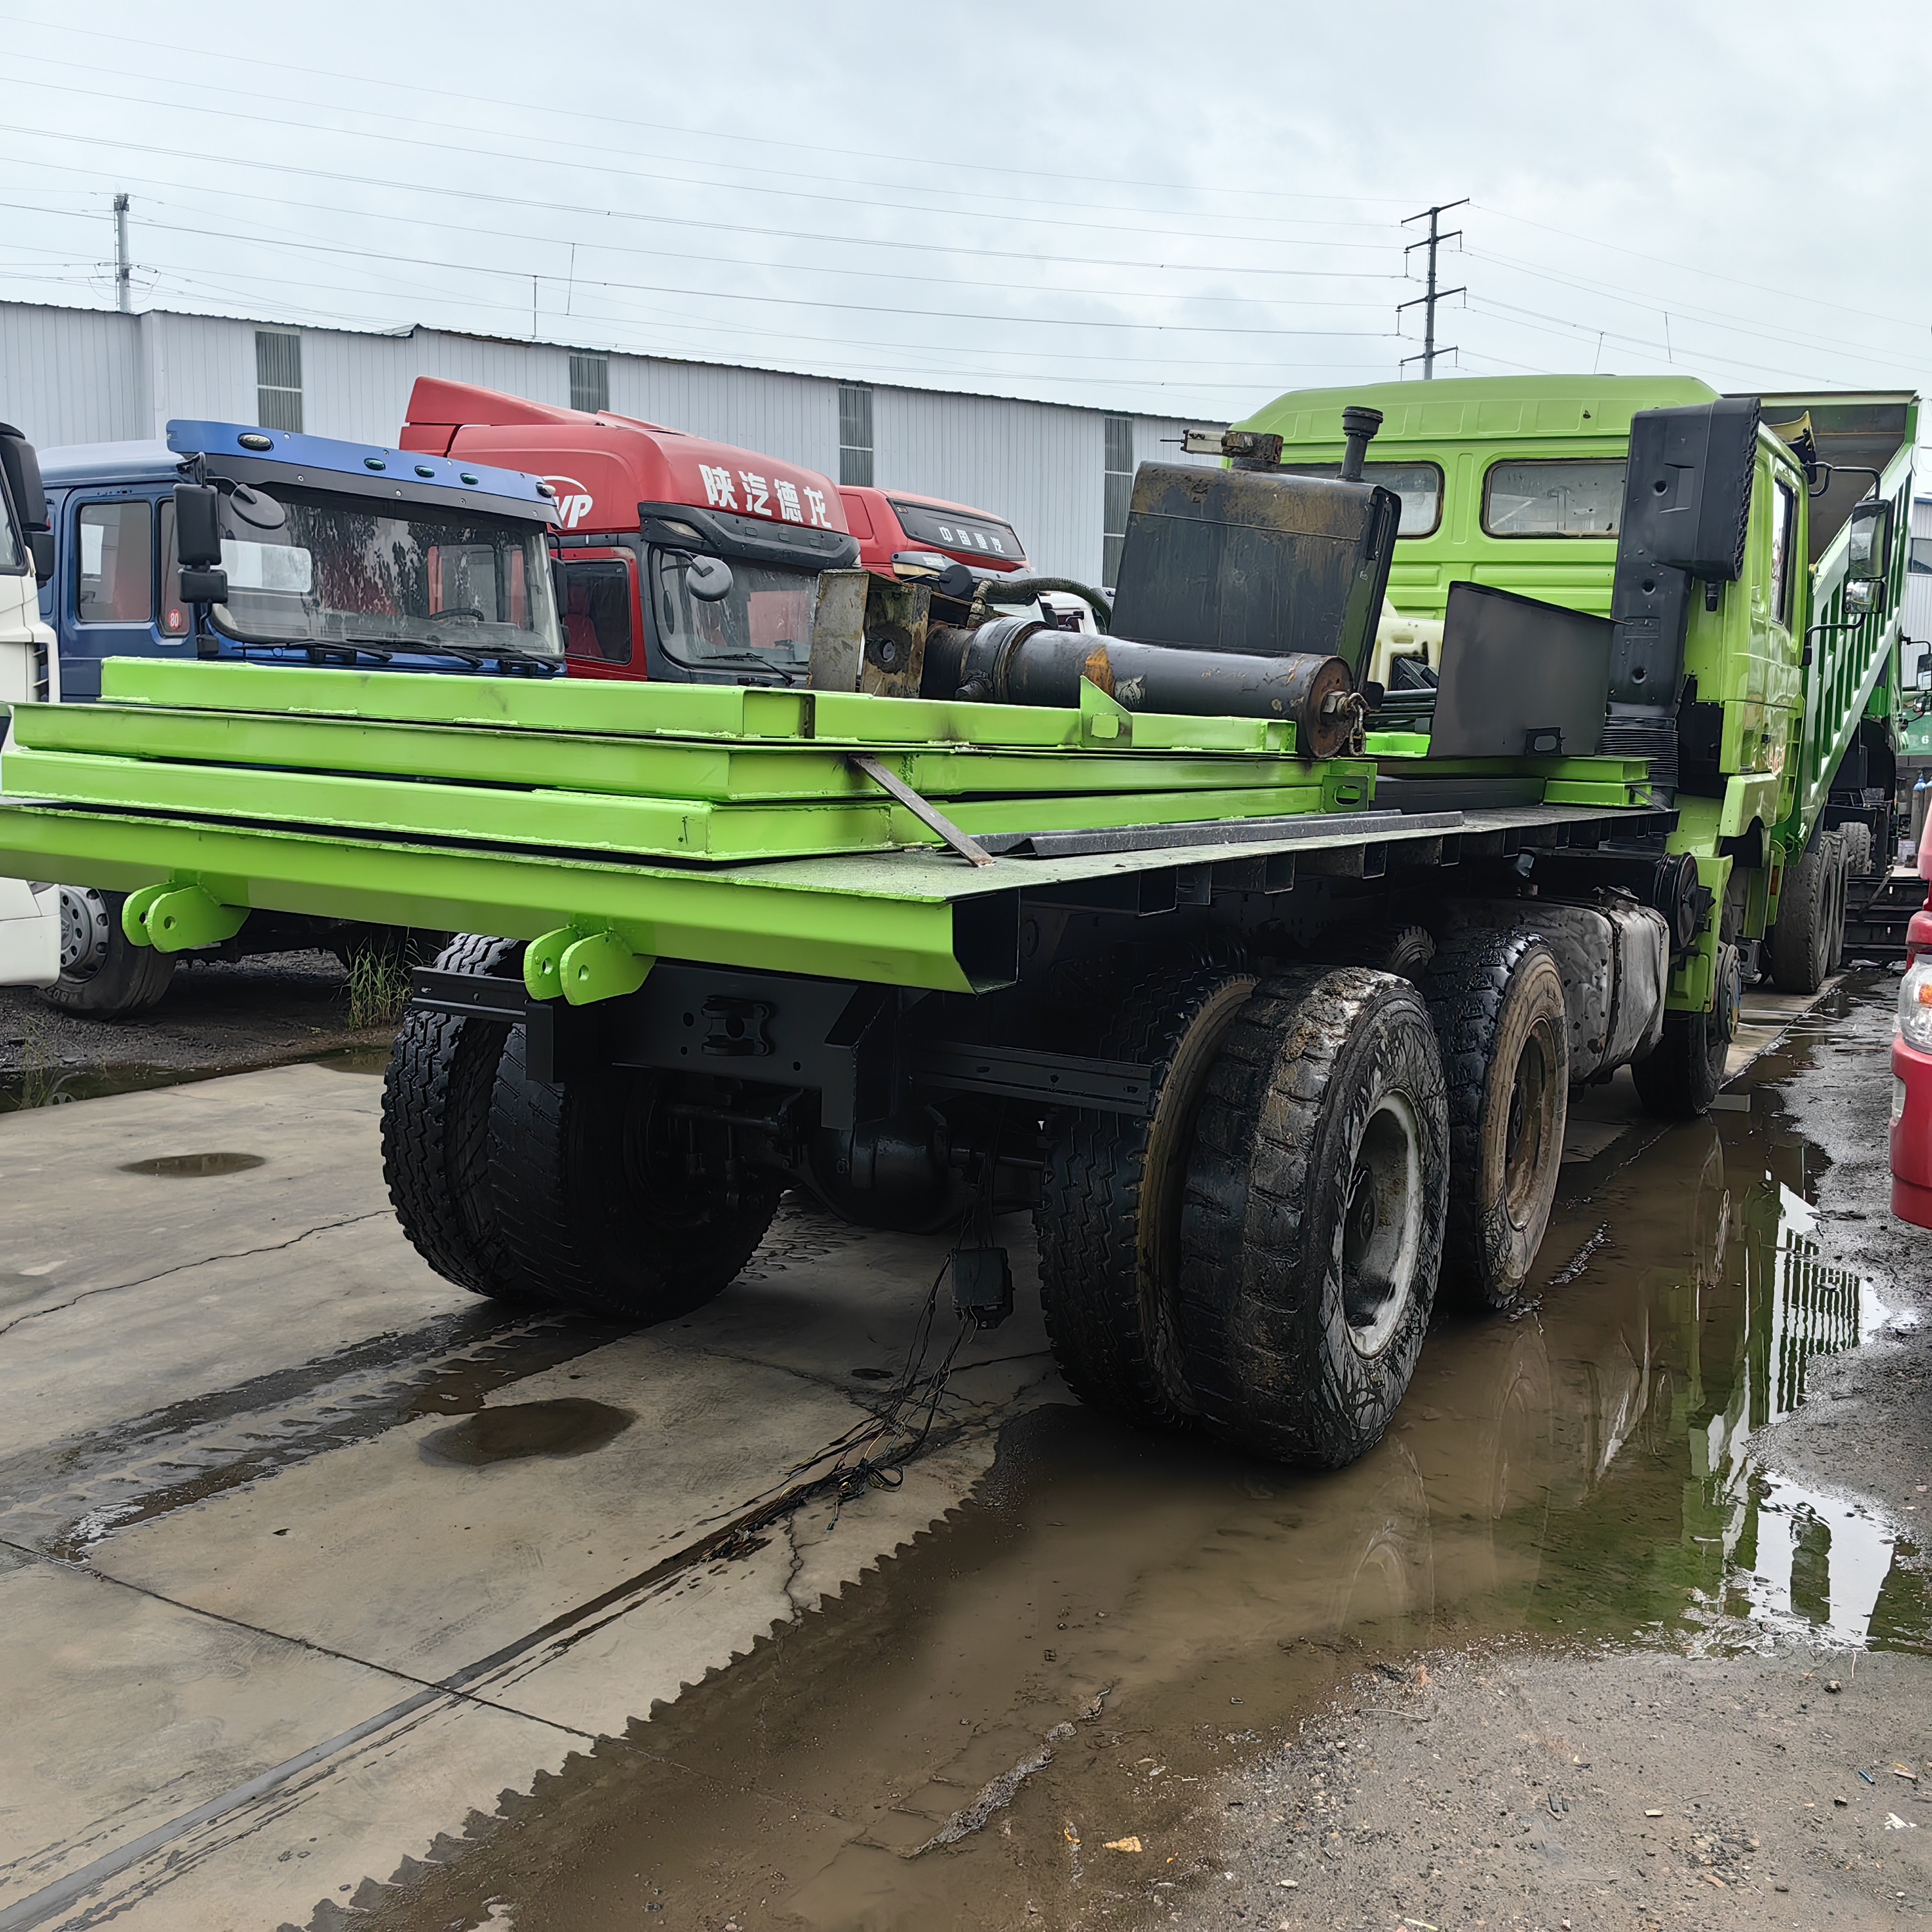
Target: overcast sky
(1184,209)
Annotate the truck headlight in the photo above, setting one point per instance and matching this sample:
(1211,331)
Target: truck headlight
(1914,1005)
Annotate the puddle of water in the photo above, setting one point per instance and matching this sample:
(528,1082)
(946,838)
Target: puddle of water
(192,1166)
(1150,1609)
(570,1426)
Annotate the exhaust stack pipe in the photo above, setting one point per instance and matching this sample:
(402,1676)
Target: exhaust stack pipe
(1359,426)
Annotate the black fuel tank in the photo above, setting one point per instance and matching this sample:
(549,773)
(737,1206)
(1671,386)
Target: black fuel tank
(1259,563)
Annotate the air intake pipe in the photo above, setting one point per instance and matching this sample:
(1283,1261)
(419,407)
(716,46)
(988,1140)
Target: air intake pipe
(1019,661)
(1359,425)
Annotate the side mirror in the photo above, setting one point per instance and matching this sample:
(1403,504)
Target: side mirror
(957,582)
(22,469)
(708,579)
(204,587)
(198,530)
(42,542)
(1868,557)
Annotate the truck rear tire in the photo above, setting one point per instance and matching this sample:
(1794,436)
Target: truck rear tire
(1497,1000)
(104,975)
(1858,837)
(595,1203)
(1684,1072)
(1312,1230)
(1839,867)
(1801,940)
(1108,1222)
(436,1130)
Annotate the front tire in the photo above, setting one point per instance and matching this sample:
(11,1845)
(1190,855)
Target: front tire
(104,975)
(1311,1232)
(1497,1001)
(1801,939)
(1683,1074)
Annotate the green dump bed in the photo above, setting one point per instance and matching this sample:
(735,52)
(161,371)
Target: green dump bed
(733,826)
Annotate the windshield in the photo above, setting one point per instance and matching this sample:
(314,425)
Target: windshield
(764,623)
(307,568)
(1418,484)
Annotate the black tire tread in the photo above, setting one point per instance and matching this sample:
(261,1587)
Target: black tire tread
(1801,948)
(436,1119)
(1260,1121)
(1088,1223)
(571,1221)
(1466,985)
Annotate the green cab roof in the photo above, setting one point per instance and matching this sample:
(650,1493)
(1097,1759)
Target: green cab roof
(1468,409)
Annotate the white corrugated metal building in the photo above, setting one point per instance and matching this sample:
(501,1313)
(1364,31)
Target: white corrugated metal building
(1059,473)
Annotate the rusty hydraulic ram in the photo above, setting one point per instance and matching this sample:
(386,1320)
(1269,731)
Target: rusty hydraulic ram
(1020,661)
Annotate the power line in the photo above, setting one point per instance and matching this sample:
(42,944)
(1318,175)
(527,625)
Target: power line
(282,121)
(416,91)
(681,221)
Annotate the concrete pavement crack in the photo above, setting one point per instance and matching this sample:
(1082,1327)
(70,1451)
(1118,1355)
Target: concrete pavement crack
(282,1637)
(181,1268)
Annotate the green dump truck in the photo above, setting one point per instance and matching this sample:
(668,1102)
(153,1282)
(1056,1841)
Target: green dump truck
(1269,1004)
(1778,738)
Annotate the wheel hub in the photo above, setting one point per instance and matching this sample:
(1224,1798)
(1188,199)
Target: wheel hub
(85,932)
(1382,1225)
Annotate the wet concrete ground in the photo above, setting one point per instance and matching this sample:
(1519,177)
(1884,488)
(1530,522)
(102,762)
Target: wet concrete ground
(356,1582)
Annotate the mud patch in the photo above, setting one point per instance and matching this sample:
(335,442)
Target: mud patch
(193,1166)
(570,1426)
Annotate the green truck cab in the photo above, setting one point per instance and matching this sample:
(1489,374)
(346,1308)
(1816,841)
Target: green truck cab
(1781,764)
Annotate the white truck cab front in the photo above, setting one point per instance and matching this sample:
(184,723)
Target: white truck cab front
(30,926)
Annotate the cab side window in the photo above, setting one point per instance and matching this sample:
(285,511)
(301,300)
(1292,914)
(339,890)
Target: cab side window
(117,562)
(174,618)
(1784,551)
(597,611)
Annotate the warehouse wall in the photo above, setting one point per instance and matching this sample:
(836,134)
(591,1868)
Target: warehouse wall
(72,375)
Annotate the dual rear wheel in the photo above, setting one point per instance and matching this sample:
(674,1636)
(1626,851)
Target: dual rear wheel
(576,1195)
(1263,1253)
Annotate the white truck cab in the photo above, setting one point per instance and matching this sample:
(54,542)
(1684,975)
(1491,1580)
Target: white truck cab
(30,924)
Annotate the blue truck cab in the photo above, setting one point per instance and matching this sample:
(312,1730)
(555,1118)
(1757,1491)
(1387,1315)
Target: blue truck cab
(230,541)
(330,553)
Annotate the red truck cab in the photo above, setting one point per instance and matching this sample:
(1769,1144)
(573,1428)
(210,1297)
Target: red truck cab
(1912,1068)
(638,503)
(890,524)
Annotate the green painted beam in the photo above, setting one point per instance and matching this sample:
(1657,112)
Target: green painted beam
(903,937)
(610,707)
(663,768)
(596,823)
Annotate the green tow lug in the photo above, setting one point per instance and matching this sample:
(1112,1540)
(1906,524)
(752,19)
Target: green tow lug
(179,916)
(584,966)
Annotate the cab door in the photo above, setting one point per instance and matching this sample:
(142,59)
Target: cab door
(603,620)
(116,593)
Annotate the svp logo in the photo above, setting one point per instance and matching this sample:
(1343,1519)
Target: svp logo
(574,502)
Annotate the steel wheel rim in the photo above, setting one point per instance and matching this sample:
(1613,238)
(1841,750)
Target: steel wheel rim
(85,932)
(1381,1234)
(1531,1123)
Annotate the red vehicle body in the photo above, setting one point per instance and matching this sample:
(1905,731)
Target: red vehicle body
(889,523)
(636,498)
(1912,1068)
(638,501)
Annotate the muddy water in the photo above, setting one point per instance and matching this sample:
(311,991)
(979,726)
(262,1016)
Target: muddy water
(1114,1619)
